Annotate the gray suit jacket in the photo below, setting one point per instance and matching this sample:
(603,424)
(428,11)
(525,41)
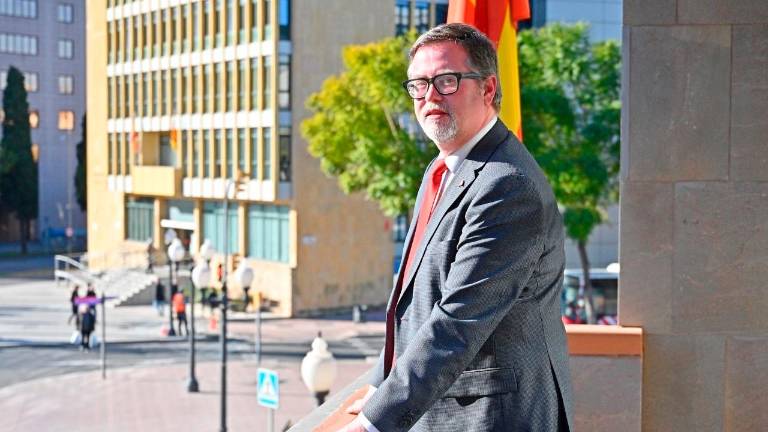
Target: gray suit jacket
(479,342)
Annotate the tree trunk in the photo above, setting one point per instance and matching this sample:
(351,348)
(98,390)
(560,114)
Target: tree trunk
(24,227)
(589,304)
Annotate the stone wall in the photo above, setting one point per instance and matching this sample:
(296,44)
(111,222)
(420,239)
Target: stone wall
(694,209)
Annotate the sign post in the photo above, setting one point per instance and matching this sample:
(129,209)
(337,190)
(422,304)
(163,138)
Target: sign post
(268,394)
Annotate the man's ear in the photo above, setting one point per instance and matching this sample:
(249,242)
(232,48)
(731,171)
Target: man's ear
(491,85)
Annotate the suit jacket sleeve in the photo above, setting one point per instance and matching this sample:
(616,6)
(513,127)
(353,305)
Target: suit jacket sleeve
(500,244)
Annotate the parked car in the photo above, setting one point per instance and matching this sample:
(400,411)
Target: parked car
(605,284)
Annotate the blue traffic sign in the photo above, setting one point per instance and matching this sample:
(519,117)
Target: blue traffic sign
(268,388)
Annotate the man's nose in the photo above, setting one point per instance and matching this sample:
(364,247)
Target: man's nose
(432,94)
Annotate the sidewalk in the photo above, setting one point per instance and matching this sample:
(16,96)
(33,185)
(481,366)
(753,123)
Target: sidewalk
(155,399)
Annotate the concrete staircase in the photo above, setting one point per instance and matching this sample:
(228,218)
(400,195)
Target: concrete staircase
(131,287)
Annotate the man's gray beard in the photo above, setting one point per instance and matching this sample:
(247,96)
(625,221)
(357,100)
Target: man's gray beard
(441,133)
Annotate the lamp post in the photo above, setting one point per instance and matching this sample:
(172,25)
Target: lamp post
(170,236)
(206,253)
(201,276)
(318,369)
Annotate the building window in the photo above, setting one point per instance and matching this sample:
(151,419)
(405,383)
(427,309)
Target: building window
(267,14)
(241,93)
(254,84)
(241,21)
(139,214)
(207,154)
(110,154)
(218,148)
(207,29)
(402,16)
(161,96)
(400,228)
(145,23)
(34,119)
(110,103)
(153,88)
(66,48)
(284,82)
(195,154)
(241,162)
(174,36)
(144,95)
(213,226)
(30,81)
(266,88)
(135,95)
(195,93)
(18,44)
(230,87)
(285,154)
(421,16)
(284,19)
(66,84)
(66,13)
(66,120)
(254,20)
(19,8)
(230,155)
(195,35)
(267,152)
(255,154)
(230,22)
(268,232)
(218,29)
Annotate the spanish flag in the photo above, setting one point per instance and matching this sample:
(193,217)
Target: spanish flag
(498,20)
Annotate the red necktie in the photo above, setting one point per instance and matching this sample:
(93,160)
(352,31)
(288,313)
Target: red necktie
(425,212)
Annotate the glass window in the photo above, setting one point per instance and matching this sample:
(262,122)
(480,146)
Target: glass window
(182,146)
(218,30)
(267,152)
(195,93)
(144,95)
(207,30)
(284,82)
(174,34)
(118,99)
(219,76)
(157,32)
(241,162)
(218,149)
(66,84)
(285,154)
(255,154)
(66,120)
(184,18)
(161,96)
(254,20)
(402,16)
(119,154)
(145,35)
(155,95)
(34,119)
(241,93)
(109,97)
(66,48)
(18,44)
(266,88)
(213,226)
(421,16)
(230,155)
(254,84)
(136,95)
(195,154)
(207,148)
(195,16)
(126,100)
(110,153)
(166,43)
(19,8)
(174,91)
(268,232)
(241,21)
(284,19)
(230,22)
(140,215)
(207,90)
(267,14)
(66,13)
(230,86)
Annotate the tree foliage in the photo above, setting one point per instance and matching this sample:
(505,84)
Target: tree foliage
(80,180)
(571,109)
(18,170)
(363,130)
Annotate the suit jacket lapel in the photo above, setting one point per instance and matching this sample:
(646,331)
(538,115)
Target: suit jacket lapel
(463,178)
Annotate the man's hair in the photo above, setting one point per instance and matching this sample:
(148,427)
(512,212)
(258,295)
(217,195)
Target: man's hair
(480,51)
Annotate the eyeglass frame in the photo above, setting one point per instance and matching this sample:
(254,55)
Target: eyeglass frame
(430,82)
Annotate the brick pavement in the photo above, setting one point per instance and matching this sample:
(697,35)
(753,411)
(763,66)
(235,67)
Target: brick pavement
(154,399)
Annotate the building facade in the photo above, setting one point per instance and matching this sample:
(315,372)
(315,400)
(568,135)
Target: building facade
(189,94)
(45,40)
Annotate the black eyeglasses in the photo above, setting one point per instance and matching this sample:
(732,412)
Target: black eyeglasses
(445,84)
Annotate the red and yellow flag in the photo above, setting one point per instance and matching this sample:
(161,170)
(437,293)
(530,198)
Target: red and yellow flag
(174,138)
(498,20)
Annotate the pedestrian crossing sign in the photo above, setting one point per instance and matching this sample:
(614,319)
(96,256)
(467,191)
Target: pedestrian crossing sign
(268,388)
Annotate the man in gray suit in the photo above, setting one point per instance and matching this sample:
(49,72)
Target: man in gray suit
(475,341)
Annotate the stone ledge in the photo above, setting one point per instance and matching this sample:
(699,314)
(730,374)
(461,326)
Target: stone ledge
(602,340)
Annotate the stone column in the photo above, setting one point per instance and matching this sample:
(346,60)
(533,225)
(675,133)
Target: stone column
(694,210)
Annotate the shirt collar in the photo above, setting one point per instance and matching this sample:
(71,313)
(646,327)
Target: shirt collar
(453,161)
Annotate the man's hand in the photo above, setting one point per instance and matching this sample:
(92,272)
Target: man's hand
(354,426)
(358,405)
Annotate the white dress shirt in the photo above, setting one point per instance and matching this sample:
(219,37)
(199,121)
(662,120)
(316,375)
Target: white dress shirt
(453,162)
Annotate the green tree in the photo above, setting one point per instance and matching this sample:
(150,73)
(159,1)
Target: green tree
(18,170)
(363,130)
(571,109)
(81,181)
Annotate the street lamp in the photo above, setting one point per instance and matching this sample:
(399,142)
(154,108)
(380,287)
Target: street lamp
(169,237)
(206,253)
(318,369)
(201,276)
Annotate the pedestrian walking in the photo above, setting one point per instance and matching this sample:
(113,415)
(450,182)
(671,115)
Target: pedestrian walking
(150,256)
(87,325)
(73,305)
(179,308)
(159,301)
